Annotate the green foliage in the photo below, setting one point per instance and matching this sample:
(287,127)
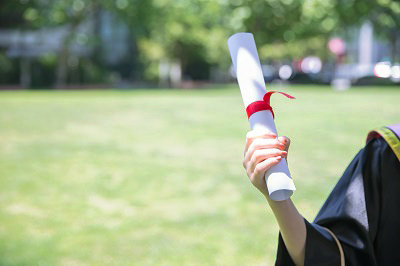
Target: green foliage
(8,69)
(385,14)
(294,49)
(194,33)
(57,12)
(188,32)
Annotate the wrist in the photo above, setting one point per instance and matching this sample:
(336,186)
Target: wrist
(270,202)
(278,205)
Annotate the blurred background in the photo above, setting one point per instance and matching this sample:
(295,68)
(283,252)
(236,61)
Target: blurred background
(126,43)
(122,127)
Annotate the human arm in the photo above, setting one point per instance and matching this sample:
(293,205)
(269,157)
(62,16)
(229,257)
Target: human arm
(264,150)
(353,211)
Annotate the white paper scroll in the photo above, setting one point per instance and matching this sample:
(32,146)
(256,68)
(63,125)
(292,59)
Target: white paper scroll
(252,87)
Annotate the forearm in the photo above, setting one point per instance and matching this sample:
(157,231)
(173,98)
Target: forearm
(292,227)
(264,150)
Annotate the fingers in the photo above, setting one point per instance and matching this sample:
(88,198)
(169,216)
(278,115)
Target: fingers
(255,134)
(285,141)
(262,143)
(261,168)
(263,154)
(262,151)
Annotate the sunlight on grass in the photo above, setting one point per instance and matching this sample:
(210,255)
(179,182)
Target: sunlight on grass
(155,178)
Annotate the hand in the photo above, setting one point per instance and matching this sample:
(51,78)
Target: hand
(263,150)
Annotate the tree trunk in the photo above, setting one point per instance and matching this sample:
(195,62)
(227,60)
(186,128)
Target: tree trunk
(25,72)
(393,43)
(62,68)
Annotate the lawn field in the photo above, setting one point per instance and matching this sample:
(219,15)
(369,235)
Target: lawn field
(155,177)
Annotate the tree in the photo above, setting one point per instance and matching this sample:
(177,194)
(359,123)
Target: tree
(67,13)
(383,14)
(288,28)
(190,34)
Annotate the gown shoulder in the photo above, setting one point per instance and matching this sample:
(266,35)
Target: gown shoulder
(354,212)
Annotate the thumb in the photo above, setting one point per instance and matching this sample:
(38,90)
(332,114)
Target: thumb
(285,141)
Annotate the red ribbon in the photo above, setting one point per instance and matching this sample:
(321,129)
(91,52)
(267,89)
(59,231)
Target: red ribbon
(264,105)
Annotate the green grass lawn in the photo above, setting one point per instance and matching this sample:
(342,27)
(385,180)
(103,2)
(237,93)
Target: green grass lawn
(155,177)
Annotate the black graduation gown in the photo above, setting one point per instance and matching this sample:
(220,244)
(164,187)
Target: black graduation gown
(363,211)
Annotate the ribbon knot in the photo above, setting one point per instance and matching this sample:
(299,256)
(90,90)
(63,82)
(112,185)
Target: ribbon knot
(264,105)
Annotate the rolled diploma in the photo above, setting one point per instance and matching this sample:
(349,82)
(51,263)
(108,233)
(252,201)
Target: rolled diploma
(252,87)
